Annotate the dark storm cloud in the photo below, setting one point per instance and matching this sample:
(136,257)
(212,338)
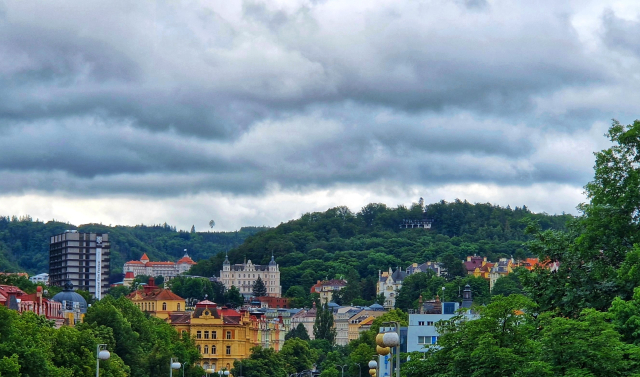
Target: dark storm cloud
(163,99)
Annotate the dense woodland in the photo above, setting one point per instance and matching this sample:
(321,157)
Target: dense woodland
(24,242)
(355,246)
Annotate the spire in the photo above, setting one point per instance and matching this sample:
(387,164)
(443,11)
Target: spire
(185,253)
(226,258)
(273,261)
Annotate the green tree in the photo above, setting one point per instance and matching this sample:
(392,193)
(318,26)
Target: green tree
(262,362)
(452,266)
(585,346)
(233,297)
(259,289)
(507,285)
(297,355)
(323,326)
(299,332)
(426,284)
(298,297)
(499,343)
(119,291)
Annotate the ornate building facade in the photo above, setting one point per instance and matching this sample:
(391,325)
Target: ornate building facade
(244,275)
(167,270)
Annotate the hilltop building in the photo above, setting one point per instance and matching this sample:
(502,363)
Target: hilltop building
(82,259)
(244,275)
(168,270)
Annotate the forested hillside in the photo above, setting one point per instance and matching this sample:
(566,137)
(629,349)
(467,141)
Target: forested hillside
(339,242)
(24,243)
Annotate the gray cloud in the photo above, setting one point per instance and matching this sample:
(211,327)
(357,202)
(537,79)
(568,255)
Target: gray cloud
(163,100)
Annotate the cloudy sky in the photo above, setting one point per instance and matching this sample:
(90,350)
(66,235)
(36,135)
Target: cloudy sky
(253,112)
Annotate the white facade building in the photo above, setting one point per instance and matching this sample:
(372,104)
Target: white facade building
(40,278)
(244,275)
(168,270)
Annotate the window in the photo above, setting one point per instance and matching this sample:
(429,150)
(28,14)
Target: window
(164,306)
(424,340)
(199,349)
(199,334)
(214,335)
(206,349)
(429,323)
(228,350)
(178,307)
(206,334)
(434,339)
(420,323)
(213,349)
(228,334)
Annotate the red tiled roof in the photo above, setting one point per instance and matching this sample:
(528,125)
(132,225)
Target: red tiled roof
(144,256)
(156,294)
(160,264)
(133,262)
(227,312)
(186,259)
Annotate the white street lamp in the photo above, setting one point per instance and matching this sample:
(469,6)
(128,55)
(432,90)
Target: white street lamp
(174,364)
(101,354)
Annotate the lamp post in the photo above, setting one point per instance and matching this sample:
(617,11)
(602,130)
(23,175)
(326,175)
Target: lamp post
(174,364)
(373,368)
(359,370)
(209,371)
(342,367)
(101,354)
(184,365)
(223,373)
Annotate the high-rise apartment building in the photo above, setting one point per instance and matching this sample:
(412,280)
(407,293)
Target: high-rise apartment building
(82,259)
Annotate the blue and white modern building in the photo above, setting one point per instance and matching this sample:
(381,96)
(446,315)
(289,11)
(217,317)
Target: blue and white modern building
(422,331)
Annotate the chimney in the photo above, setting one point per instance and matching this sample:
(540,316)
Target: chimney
(151,285)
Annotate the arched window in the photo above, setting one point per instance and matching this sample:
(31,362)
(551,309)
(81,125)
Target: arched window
(206,349)
(199,349)
(213,349)
(178,307)
(164,306)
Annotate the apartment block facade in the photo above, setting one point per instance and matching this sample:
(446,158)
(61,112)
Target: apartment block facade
(82,259)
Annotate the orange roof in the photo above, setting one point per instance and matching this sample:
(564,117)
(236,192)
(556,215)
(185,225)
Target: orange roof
(166,294)
(129,275)
(156,294)
(159,264)
(144,256)
(133,262)
(186,259)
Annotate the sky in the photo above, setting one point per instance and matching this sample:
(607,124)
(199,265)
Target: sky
(254,112)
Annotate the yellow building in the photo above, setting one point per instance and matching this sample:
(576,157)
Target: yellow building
(157,301)
(222,335)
